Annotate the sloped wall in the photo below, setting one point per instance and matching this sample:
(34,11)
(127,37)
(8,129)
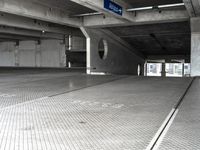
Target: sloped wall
(121,58)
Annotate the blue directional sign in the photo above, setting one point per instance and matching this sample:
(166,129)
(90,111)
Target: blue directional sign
(112,6)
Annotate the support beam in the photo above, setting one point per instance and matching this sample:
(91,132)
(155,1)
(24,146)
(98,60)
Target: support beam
(196,4)
(30,33)
(8,37)
(33,24)
(98,5)
(88,50)
(141,17)
(193,7)
(34,10)
(190,7)
(169,58)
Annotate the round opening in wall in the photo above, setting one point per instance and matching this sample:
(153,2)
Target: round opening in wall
(103,49)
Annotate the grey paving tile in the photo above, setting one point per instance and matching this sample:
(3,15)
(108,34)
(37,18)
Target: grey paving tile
(120,115)
(184,133)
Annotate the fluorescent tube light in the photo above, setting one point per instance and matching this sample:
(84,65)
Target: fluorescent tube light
(141,8)
(87,14)
(171,5)
(151,7)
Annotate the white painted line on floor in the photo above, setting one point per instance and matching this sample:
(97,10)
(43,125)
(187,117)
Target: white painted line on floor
(23,103)
(97,73)
(158,143)
(158,133)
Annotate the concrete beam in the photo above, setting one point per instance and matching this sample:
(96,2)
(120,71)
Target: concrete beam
(193,7)
(140,17)
(190,8)
(33,24)
(34,10)
(98,5)
(30,33)
(7,37)
(196,6)
(169,58)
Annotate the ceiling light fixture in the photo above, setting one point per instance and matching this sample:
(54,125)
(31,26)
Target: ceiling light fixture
(171,5)
(87,14)
(152,7)
(141,8)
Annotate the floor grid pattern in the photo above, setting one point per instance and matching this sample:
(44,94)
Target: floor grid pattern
(107,113)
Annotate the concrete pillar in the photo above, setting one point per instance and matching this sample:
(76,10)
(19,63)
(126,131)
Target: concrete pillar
(88,50)
(183,69)
(16,54)
(163,72)
(38,54)
(145,69)
(195,47)
(69,49)
(70,43)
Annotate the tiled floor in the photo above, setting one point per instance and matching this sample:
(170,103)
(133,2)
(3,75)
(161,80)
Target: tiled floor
(73,111)
(184,133)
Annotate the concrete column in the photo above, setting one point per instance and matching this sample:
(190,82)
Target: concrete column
(195,47)
(145,69)
(69,49)
(16,54)
(70,43)
(183,69)
(88,50)
(38,54)
(163,72)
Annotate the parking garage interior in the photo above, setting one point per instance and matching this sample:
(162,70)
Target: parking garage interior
(99,74)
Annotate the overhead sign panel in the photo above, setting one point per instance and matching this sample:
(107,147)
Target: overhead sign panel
(114,7)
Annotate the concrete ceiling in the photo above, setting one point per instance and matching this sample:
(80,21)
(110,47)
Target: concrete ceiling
(157,39)
(145,3)
(68,6)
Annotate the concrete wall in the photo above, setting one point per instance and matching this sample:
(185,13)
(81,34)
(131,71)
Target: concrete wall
(121,58)
(78,43)
(7,54)
(50,53)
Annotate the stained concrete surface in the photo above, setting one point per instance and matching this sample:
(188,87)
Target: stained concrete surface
(73,111)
